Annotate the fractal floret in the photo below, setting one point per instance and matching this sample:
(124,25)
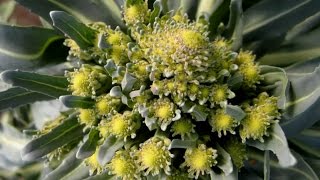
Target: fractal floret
(165,99)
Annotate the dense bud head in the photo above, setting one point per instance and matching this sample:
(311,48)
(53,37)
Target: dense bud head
(123,166)
(237,151)
(221,122)
(245,57)
(182,127)
(87,117)
(153,156)
(250,74)
(87,80)
(106,104)
(169,73)
(200,160)
(120,125)
(136,11)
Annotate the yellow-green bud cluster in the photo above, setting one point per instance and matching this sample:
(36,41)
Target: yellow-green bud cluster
(200,160)
(259,117)
(237,151)
(120,125)
(222,122)
(106,104)
(182,127)
(87,80)
(123,166)
(154,156)
(167,83)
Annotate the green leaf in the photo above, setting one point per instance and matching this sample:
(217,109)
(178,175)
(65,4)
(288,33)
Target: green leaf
(102,176)
(222,176)
(69,130)
(266,166)
(236,112)
(234,28)
(219,12)
(306,149)
(314,164)
(89,146)
(108,149)
(273,21)
(303,101)
(80,33)
(303,27)
(53,86)
(184,144)
(69,163)
(224,161)
(310,136)
(301,170)
(127,83)
(77,101)
(207,7)
(275,80)
(29,47)
(277,143)
(16,96)
(81,172)
(86,11)
(300,49)
(157,8)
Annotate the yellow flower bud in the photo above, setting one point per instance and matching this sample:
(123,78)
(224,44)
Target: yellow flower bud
(200,160)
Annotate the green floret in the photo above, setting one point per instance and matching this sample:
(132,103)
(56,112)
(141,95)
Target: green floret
(200,160)
(154,156)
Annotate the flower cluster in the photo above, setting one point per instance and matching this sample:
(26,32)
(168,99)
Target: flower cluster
(168,92)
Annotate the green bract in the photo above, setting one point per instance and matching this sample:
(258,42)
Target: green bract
(164,95)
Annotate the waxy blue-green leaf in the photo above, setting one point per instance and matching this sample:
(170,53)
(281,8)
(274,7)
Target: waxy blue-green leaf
(84,36)
(224,161)
(69,163)
(303,101)
(185,5)
(234,29)
(80,172)
(308,141)
(207,7)
(77,101)
(236,112)
(275,79)
(53,86)
(184,144)
(16,96)
(108,149)
(301,170)
(314,164)
(277,143)
(89,146)
(102,176)
(307,149)
(29,47)
(266,166)
(273,21)
(300,49)
(69,130)
(86,11)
